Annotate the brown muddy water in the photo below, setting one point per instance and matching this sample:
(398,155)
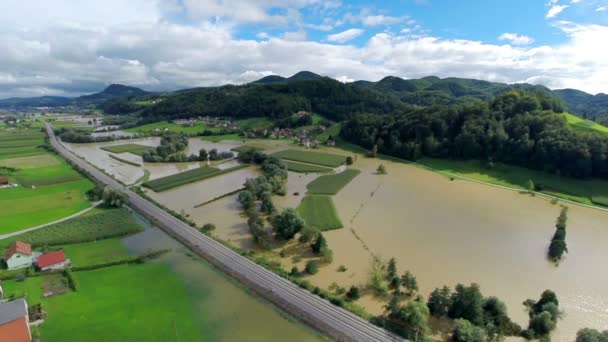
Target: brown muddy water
(227,311)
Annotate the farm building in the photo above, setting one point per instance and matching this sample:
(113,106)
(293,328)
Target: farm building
(14,321)
(3,181)
(53,261)
(18,255)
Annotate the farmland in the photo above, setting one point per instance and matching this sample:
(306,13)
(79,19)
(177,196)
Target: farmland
(332,184)
(195,175)
(95,225)
(319,212)
(95,253)
(304,168)
(317,158)
(584,125)
(173,127)
(130,148)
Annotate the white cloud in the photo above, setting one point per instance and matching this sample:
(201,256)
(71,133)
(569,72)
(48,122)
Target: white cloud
(376,20)
(516,39)
(600,9)
(345,36)
(68,58)
(555,9)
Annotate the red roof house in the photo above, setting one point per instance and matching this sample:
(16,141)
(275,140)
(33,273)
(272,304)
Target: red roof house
(3,180)
(53,261)
(19,247)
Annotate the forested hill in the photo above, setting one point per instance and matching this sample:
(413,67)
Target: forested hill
(333,99)
(593,107)
(111,92)
(515,128)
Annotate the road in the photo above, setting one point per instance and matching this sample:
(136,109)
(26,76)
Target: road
(336,322)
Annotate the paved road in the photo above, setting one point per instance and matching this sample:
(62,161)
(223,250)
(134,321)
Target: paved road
(334,321)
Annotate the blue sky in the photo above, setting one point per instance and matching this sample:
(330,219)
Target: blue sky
(71,47)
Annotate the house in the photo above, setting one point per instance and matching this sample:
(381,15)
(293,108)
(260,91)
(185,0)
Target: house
(53,261)
(19,255)
(3,181)
(14,321)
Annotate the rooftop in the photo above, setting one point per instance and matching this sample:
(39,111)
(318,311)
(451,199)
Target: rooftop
(12,310)
(19,247)
(51,258)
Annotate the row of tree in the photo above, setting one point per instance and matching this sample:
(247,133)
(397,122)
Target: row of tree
(558,243)
(512,128)
(79,136)
(169,150)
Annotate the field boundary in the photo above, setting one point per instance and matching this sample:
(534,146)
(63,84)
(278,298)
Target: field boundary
(124,160)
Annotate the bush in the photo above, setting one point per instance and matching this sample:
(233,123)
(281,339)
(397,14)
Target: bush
(72,282)
(312,267)
(353,293)
(209,227)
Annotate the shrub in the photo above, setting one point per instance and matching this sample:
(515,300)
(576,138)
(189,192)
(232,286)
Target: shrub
(312,267)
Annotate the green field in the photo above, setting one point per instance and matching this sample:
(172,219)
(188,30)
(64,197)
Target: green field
(333,131)
(319,212)
(317,158)
(152,127)
(247,147)
(144,302)
(48,188)
(584,125)
(582,191)
(332,184)
(190,176)
(305,168)
(130,148)
(224,137)
(252,123)
(94,225)
(95,253)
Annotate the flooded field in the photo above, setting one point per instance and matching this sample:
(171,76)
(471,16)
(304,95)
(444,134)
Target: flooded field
(228,312)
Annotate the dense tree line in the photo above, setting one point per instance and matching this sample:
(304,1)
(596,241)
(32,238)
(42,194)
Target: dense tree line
(558,243)
(330,98)
(591,335)
(79,136)
(516,128)
(544,315)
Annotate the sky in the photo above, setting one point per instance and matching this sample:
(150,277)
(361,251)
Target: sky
(72,47)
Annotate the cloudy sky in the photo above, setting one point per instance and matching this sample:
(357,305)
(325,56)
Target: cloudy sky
(71,47)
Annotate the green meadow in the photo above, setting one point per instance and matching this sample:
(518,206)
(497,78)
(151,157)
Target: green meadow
(317,158)
(149,128)
(319,212)
(305,168)
(190,176)
(581,124)
(131,148)
(332,184)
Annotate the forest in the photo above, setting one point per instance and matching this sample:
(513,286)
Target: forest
(515,127)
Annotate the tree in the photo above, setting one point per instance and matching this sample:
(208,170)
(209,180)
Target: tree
(381,170)
(415,318)
(409,282)
(202,154)
(267,205)
(375,151)
(349,160)
(319,245)
(465,331)
(467,303)
(391,269)
(208,227)
(247,199)
(530,185)
(353,293)
(312,267)
(287,224)
(591,335)
(113,198)
(439,301)
(543,315)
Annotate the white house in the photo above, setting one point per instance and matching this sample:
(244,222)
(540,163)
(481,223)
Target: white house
(53,261)
(19,255)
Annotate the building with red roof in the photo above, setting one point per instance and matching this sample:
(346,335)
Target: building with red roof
(14,321)
(18,255)
(53,261)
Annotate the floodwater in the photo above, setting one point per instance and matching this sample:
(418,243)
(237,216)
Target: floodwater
(228,312)
(129,174)
(188,196)
(448,232)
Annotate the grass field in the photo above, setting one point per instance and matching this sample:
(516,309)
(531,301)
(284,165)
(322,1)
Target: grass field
(144,302)
(149,128)
(305,168)
(317,158)
(224,137)
(332,184)
(333,131)
(48,188)
(94,253)
(512,176)
(247,147)
(130,148)
(584,125)
(252,123)
(190,176)
(319,212)
(94,225)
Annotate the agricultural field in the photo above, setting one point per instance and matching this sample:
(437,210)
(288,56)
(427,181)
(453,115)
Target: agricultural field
(305,168)
(191,176)
(332,184)
(332,131)
(319,212)
(130,148)
(94,253)
(252,123)
(94,225)
(583,191)
(317,158)
(150,128)
(247,147)
(584,125)
(144,302)
(223,137)
(21,143)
